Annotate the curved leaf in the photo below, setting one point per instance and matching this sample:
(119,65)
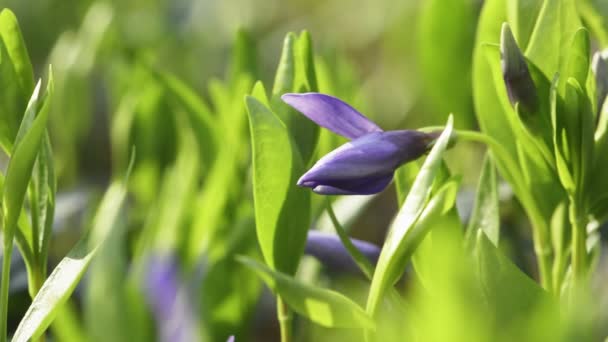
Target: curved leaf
(281,208)
(402,238)
(61,283)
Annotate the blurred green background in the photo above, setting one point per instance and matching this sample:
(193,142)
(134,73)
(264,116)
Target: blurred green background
(406,64)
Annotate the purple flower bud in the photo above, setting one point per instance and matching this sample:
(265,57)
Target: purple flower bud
(328,249)
(364,165)
(169,301)
(515,72)
(599,65)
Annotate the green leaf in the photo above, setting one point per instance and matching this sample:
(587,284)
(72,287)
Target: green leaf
(486,215)
(305,74)
(578,58)
(502,282)
(24,155)
(282,210)
(61,283)
(17,51)
(405,231)
(560,139)
(550,41)
(295,73)
(325,307)
(522,16)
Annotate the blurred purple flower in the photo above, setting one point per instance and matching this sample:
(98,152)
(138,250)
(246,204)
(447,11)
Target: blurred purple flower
(364,165)
(329,250)
(169,301)
(230,339)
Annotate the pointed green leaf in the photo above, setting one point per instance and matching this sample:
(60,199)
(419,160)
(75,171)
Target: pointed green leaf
(502,281)
(27,145)
(63,280)
(550,41)
(578,59)
(486,215)
(281,207)
(295,74)
(325,307)
(404,233)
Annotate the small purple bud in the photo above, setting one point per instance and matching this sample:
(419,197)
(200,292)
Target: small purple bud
(169,301)
(366,165)
(329,250)
(520,86)
(599,65)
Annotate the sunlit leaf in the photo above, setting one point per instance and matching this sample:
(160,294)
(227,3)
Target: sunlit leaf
(403,237)
(486,214)
(63,280)
(281,208)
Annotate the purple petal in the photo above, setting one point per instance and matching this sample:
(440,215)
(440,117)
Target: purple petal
(169,301)
(332,113)
(365,165)
(230,339)
(328,249)
(367,187)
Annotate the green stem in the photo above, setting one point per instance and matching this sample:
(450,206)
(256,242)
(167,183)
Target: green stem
(6,268)
(579,252)
(284,317)
(360,259)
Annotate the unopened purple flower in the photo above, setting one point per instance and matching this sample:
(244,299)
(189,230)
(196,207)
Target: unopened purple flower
(169,301)
(366,164)
(329,250)
(515,72)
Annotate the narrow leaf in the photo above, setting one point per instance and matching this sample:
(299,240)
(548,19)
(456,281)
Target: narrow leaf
(402,239)
(281,208)
(61,283)
(486,214)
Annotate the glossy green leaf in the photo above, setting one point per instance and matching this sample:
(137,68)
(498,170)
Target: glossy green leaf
(486,215)
(281,208)
(325,307)
(27,145)
(63,280)
(404,233)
